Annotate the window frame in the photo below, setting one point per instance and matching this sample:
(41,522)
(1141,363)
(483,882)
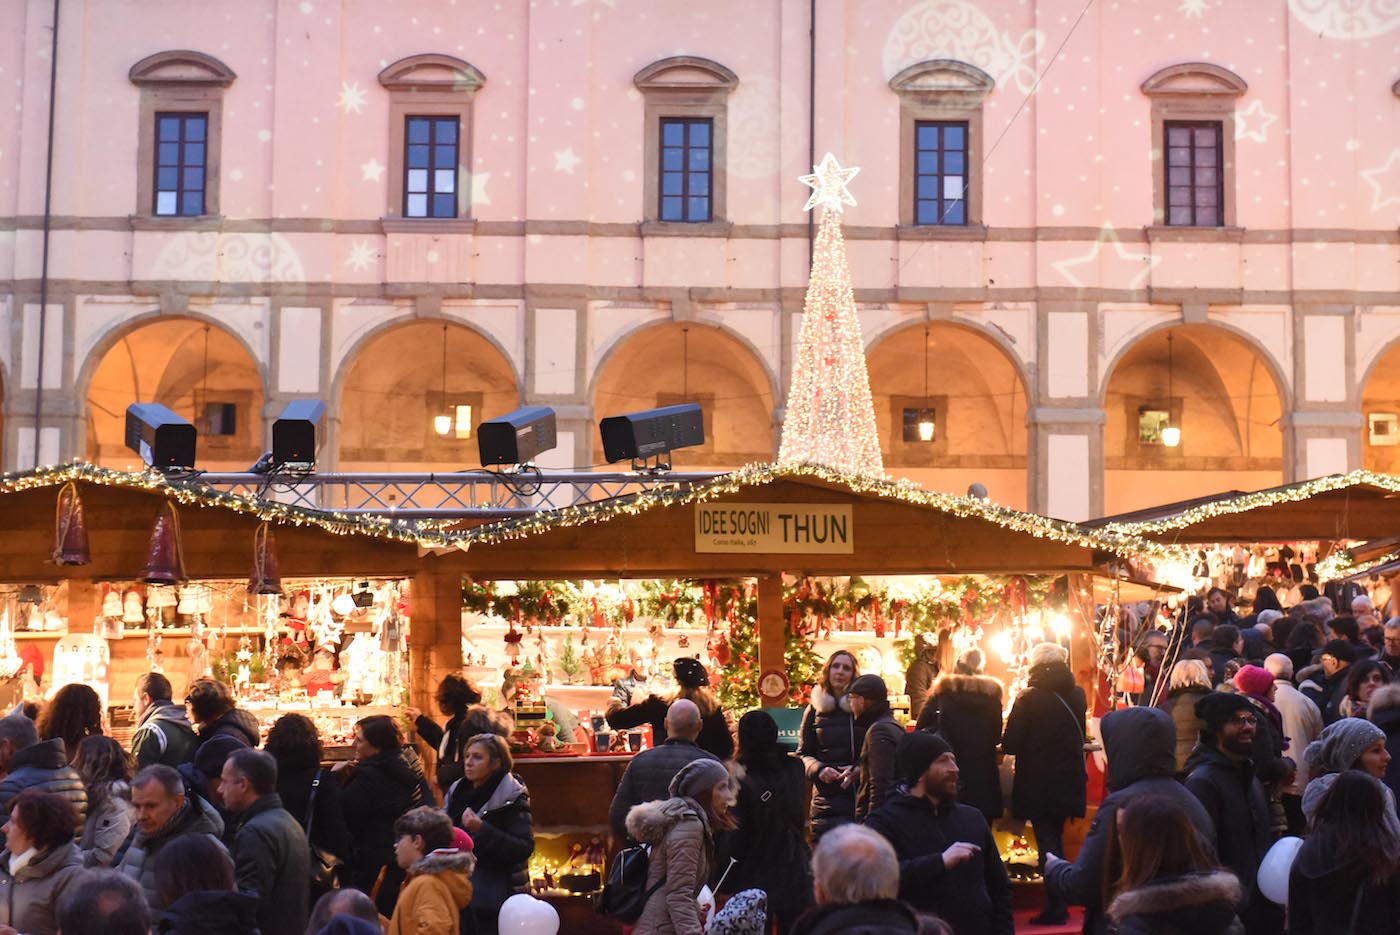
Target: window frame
(1193,126)
(431,193)
(942,126)
(179,82)
(1194,92)
(941,91)
(181,142)
(686,123)
(685,87)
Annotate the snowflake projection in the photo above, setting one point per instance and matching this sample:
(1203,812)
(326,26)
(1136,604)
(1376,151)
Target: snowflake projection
(352,98)
(754,134)
(371,171)
(1253,123)
(956,29)
(1193,9)
(566,160)
(361,256)
(210,256)
(478,188)
(1107,235)
(1384,181)
(1347,19)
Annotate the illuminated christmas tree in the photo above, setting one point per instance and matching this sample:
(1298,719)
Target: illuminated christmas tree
(830,416)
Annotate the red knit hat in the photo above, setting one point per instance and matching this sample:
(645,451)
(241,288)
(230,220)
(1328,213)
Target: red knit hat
(1253,680)
(461,840)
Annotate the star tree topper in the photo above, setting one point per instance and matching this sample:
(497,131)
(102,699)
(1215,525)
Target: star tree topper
(828,182)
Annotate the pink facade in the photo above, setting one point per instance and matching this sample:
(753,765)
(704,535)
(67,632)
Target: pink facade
(1046,314)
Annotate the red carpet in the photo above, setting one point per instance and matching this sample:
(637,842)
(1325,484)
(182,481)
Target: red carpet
(1072,927)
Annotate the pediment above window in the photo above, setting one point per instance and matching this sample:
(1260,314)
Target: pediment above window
(944,80)
(432,72)
(1194,79)
(181,67)
(685,73)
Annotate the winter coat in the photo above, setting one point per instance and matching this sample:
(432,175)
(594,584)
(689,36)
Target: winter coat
(1193,904)
(196,816)
(43,766)
(966,711)
(164,736)
(328,830)
(918,679)
(1180,703)
(1045,732)
(437,889)
(106,827)
(1140,745)
(829,737)
(210,912)
(1327,692)
(877,917)
(877,780)
(29,899)
(716,737)
(770,843)
(502,845)
(235,729)
(1388,720)
(1269,763)
(1219,659)
(681,856)
(625,691)
(272,863)
(648,778)
(975,896)
(450,742)
(380,789)
(1235,800)
(1325,890)
(1302,724)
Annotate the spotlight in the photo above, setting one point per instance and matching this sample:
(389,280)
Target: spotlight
(164,440)
(652,432)
(294,435)
(517,437)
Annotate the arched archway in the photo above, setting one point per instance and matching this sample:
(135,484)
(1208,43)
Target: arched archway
(1380,412)
(392,391)
(976,396)
(196,368)
(1218,390)
(679,362)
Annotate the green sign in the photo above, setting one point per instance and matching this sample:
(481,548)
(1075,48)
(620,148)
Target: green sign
(789,726)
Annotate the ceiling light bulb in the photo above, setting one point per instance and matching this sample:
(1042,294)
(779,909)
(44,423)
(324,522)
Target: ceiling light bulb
(926,430)
(442,424)
(1171,436)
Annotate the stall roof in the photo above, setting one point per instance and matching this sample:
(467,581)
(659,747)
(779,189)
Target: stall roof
(899,528)
(1359,505)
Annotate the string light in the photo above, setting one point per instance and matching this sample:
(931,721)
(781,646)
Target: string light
(830,417)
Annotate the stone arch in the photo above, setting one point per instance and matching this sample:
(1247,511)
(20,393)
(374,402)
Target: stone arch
(1226,396)
(1024,368)
(980,397)
(161,358)
(432,71)
(1195,78)
(943,78)
(611,348)
(1379,392)
(648,368)
(389,389)
(181,67)
(684,72)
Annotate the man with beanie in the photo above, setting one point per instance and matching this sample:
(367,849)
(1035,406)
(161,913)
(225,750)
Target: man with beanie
(948,861)
(1302,723)
(1221,774)
(1337,656)
(1140,744)
(870,704)
(1274,770)
(649,774)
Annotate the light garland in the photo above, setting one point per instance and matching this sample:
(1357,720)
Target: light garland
(830,415)
(1340,564)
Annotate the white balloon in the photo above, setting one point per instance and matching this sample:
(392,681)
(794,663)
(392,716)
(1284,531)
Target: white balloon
(523,914)
(1273,872)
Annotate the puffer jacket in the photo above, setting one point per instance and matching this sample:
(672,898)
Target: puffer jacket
(164,736)
(380,789)
(966,711)
(877,779)
(437,889)
(107,826)
(29,898)
(648,778)
(272,864)
(196,816)
(1193,904)
(681,857)
(502,845)
(1235,800)
(1045,732)
(233,730)
(43,766)
(829,737)
(1180,703)
(210,912)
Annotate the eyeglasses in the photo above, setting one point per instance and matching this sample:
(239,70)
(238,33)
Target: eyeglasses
(1243,720)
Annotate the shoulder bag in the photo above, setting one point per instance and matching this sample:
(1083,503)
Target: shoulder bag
(328,871)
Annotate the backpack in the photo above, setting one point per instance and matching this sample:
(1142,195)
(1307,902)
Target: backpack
(626,894)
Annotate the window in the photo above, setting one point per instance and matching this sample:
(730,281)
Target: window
(430,167)
(180,160)
(941,168)
(181,114)
(920,425)
(219,419)
(455,421)
(1150,425)
(1195,184)
(1384,429)
(685,169)
(684,134)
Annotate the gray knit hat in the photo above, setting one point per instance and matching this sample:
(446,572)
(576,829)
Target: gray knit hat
(1341,745)
(698,776)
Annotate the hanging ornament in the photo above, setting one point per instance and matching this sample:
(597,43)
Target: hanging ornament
(70,538)
(165,559)
(513,638)
(266,577)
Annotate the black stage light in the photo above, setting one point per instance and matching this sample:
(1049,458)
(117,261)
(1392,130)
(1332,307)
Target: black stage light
(517,437)
(164,440)
(652,432)
(294,434)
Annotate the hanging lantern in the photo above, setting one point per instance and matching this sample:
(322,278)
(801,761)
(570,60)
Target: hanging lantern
(165,558)
(70,538)
(266,577)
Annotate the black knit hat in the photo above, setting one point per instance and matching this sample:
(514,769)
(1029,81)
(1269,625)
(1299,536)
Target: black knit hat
(916,751)
(1216,708)
(1340,650)
(690,673)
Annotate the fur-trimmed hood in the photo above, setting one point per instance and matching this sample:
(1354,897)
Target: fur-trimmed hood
(823,702)
(952,683)
(650,822)
(1213,892)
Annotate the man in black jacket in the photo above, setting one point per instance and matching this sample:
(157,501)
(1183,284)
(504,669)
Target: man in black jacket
(1141,747)
(948,861)
(1337,656)
(648,776)
(870,703)
(1221,774)
(270,856)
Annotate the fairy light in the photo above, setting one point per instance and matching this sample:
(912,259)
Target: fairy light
(830,415)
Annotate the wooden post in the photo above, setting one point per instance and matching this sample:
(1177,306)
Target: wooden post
(435,628)
(771,639)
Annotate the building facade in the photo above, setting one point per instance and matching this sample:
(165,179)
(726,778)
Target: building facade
(1078,230)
